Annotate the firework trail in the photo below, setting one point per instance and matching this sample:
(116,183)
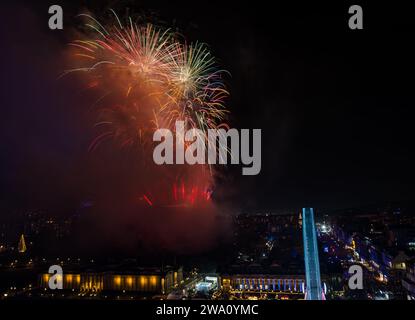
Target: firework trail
(151,79)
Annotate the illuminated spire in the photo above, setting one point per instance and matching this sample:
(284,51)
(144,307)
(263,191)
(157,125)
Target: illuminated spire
(22,245)
(312,264)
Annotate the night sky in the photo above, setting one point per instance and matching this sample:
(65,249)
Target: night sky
(335,105)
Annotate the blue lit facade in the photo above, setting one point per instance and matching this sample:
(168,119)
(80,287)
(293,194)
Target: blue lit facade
(312,264)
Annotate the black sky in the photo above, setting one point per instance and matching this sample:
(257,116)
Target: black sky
(335,105)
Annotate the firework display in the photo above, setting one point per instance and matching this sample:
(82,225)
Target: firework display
(148,80)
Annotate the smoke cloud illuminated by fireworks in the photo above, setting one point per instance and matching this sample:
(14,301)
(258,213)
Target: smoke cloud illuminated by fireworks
(145,78)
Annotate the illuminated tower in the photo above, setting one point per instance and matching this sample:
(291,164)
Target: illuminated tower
(22,245)
(312,265)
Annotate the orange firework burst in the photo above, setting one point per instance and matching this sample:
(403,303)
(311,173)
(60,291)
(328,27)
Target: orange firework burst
(151,79)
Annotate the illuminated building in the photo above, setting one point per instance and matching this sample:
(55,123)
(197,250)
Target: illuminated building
(147,281)
(264,283)
(312,265)
(22,245)
(409,280)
